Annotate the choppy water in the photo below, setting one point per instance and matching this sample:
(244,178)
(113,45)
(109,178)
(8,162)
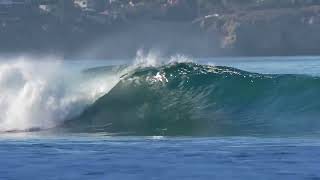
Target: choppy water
(230,118)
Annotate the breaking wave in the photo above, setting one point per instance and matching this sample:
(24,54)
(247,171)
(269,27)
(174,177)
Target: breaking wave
(193,99)
(174,98)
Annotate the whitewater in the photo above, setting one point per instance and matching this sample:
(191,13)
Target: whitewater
(40,94)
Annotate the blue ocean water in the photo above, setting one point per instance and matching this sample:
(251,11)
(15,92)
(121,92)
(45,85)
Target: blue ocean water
(98,157)
(54,155)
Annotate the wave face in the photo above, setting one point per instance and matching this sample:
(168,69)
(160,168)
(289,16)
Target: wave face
(192,99)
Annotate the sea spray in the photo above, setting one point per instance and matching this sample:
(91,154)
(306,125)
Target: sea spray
(42,94)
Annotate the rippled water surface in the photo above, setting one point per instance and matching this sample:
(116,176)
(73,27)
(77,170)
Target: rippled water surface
(159,158)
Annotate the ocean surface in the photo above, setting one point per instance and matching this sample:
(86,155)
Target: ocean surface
(160,118)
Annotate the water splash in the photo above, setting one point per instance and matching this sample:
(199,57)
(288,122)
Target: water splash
(42,94)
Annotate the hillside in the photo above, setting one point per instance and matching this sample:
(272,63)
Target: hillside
(201,28)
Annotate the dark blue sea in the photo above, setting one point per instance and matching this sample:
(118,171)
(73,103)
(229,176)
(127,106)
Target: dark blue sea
(215,118)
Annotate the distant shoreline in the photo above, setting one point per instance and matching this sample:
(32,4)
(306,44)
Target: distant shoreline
(241,31)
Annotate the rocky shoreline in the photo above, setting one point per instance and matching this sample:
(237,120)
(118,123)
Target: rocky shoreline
(186,27)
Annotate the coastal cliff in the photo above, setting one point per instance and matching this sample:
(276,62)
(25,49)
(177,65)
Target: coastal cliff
(196,28)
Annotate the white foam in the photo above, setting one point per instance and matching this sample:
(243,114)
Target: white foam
(43,94)
(154,59)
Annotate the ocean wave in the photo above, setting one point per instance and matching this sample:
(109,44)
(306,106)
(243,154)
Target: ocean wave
(193,99)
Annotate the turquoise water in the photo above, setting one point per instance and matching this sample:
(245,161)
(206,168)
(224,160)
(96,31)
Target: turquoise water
(234,151)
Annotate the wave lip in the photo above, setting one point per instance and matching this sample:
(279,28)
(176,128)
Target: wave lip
(192,99)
